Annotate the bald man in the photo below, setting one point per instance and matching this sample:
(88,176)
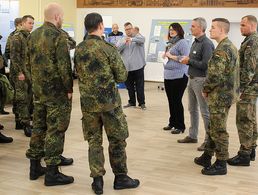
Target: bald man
(51,73)
(115,35)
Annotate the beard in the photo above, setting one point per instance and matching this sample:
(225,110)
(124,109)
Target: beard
(59,24)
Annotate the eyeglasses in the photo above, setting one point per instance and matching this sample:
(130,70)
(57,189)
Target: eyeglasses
(126,29)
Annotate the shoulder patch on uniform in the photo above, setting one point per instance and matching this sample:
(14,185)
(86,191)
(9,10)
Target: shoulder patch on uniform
(220,53)
(16,33)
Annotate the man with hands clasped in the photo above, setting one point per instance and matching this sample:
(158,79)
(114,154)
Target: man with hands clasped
(197,61)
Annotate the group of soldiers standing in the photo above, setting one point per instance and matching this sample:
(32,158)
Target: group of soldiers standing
(19,77)
(40,63)
(232,78)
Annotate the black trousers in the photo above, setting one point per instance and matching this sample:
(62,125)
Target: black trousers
(135,83)
(175,90)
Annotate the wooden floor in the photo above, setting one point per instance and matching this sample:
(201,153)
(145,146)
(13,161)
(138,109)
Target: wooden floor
(163,166)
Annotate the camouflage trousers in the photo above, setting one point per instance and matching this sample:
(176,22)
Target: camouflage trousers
(2,97)
(116,129)
(217,134)
(246,123)
(22,101)
(50,121)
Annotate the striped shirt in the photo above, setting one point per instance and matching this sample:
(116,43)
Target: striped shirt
(174,69)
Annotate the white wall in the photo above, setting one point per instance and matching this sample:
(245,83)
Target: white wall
(142,17)
(5,21)
(36,9)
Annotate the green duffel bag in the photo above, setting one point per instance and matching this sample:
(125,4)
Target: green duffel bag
(7,90)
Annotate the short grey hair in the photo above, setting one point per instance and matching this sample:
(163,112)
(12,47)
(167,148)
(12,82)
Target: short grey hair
(202,22)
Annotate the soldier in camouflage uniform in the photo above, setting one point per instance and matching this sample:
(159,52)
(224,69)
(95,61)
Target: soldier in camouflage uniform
(19,74)
(246,106)
(221,89)
(99,68)
(2,88)
(18,26)
(52,84)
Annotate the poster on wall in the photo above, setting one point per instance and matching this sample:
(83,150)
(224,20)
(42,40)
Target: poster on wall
(9,10)
(159,37)
(4,6)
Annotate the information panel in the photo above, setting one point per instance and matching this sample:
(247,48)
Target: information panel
(159,37)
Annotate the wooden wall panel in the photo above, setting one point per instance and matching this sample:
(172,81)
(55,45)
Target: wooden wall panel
(165,3)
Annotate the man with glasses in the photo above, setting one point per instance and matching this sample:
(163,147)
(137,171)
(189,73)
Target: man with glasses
(131,47)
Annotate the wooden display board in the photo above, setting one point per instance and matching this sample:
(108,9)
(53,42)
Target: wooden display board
(164,3)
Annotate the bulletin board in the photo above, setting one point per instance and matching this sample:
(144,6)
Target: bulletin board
(158,37)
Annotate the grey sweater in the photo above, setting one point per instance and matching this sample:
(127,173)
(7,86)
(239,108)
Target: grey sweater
(133,54)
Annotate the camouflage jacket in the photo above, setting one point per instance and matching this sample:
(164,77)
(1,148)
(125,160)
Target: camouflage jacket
(222,83)
(70,41)
(50,66)
(18,47)
(99,67)
(7,47)
(249,65)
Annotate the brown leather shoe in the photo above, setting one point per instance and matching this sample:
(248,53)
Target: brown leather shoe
(201,147)
(187,139)
(167,128)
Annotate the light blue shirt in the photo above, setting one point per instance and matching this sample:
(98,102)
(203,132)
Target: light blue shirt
(174,69)
(133,54)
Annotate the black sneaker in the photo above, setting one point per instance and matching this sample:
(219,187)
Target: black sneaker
(5,139)
(239,160)
(143,107)
(125,182)
(65,161)
(204,160)
(218,168)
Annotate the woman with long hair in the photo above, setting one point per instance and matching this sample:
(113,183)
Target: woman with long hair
(175,77)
